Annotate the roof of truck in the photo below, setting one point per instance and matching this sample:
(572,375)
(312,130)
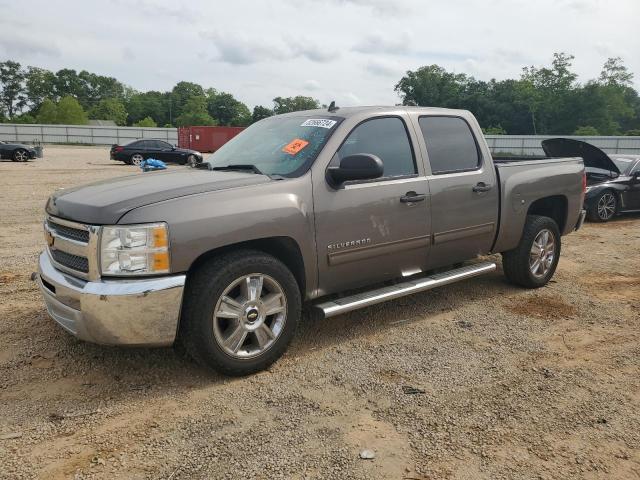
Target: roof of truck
(346,112)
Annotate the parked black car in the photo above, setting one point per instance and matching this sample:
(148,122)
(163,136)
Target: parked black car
(17,152)
(613,180)
(136,151)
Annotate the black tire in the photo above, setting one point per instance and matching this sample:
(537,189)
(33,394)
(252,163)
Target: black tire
(135,159)
(516,263)
(601,215)
(191,161)
(20,155)
(204,288)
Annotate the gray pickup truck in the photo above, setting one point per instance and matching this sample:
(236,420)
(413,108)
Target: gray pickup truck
(304,207)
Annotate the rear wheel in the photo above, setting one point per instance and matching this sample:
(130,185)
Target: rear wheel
(136,159)
(240,312)
(20,155)
(604,207)
(533,262)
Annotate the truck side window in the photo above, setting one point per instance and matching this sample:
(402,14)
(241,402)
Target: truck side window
(450,144)
(387,139)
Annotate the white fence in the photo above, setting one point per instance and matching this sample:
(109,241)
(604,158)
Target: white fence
(530,144)
(91,135)
(94,135)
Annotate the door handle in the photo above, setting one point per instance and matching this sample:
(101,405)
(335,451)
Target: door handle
(482,187)
(412,197)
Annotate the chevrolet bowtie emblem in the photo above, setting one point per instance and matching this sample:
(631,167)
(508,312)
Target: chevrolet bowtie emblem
(49,238)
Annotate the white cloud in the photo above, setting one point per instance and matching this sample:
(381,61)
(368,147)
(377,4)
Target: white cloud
(356,50)
(384,68)
(16,44)
(381,42)
(311,85)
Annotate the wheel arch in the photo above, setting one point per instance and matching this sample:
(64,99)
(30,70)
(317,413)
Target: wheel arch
(555,207)
(285,249)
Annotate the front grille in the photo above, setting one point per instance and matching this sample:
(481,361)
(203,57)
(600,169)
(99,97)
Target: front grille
(67,232)
(68,260)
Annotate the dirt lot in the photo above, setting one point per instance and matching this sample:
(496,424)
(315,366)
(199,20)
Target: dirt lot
(512,383)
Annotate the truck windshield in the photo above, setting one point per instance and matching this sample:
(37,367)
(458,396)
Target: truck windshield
(284,146)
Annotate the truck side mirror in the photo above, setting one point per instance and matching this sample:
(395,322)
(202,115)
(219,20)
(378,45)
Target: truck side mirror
(361,166)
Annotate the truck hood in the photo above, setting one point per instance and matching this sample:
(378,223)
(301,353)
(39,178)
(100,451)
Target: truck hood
(105,202)
(567,147)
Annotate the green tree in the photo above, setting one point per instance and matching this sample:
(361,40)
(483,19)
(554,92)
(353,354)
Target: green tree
(12,91)
(24,118)
(109,109)
(494,131)
(146,122)
(70,112)
(614,72)
(96,88)
(181,94)
(432,86)
(632,133)
(40,84)
(48,112)
(294,104)
(226,109)
(550,91)
(260,112)
(152,104)
(195,112)
(68,84)
(586,131)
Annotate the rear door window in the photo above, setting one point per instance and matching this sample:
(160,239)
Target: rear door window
(385,138)
(451,145)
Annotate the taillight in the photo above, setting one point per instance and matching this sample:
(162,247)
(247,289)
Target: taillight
(584,182)
(118,149)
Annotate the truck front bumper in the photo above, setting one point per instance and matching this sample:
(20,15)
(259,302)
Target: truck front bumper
(113,312)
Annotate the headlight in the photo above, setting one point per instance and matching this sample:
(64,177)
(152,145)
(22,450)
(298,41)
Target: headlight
(134,249)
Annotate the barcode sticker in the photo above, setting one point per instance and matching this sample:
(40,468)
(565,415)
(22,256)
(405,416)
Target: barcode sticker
(319,122)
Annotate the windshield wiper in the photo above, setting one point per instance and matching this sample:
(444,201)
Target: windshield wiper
(242,167)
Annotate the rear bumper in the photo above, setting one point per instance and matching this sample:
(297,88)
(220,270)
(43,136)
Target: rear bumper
(583,214)
(115,312)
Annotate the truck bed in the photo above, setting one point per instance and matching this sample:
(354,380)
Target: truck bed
(525,180)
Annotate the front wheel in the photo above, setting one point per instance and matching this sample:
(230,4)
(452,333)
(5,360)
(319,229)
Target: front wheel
(20,155)
(533,262)
(604,207)
(240,312)
(192,161)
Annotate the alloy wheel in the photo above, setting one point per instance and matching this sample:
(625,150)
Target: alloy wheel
(606,206)
(21,156)
(249,316)
(542,253)
(137,159)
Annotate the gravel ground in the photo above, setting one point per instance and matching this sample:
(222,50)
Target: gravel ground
(509,383)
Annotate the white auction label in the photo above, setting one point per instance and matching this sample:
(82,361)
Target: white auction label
(319,122)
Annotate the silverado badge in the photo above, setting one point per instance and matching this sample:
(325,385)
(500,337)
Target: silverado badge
(350,243)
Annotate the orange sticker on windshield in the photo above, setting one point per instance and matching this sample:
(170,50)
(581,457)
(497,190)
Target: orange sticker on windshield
(295,146)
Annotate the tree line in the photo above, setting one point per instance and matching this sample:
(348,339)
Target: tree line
(544,100)
(37,95)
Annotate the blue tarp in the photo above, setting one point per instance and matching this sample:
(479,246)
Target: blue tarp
(151,164)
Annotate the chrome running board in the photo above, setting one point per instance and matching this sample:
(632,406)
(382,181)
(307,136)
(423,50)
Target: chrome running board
(360,300)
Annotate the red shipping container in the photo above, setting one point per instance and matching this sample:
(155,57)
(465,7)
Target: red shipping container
(206,139)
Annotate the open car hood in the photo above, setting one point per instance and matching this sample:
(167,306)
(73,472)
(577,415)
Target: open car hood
(567,147)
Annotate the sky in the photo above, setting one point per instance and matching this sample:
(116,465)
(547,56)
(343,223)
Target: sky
(350,51)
